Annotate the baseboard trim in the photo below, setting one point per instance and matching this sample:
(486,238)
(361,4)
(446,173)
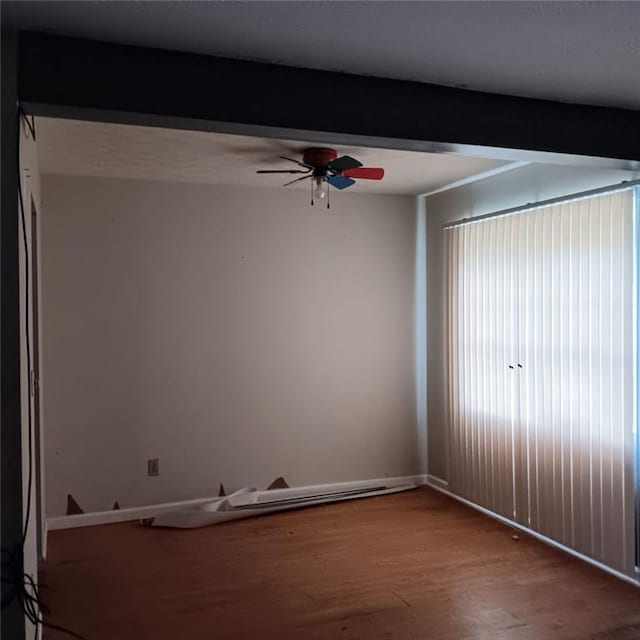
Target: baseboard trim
(149,511)
(436,481)
(535,534)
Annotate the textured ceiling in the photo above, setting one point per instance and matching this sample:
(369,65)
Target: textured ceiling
(72,147)
(583,52)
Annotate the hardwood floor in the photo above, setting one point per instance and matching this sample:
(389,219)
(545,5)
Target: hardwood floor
(413,565)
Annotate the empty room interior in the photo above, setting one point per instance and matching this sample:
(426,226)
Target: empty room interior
(286,380)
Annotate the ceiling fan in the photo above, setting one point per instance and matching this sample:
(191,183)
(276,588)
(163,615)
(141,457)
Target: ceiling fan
(324,168)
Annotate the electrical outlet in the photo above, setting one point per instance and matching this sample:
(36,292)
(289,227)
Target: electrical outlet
(153,467)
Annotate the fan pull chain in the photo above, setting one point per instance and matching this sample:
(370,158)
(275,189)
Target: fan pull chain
(328,195)
(311,192)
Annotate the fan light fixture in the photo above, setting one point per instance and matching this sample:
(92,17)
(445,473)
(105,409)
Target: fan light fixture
(325,169)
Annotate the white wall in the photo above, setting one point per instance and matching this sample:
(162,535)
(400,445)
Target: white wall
(236,335)
(532,183)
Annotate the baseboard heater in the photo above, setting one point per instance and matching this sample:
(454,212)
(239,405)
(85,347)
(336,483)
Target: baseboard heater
(246,503)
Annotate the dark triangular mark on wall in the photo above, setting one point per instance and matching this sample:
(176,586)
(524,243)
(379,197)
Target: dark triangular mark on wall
(73,508)
(221,491)
(278,483)
(116,506)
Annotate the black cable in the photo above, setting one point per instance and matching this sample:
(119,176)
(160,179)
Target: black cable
(25,590)
(23,586)
(26,327)
(31,125)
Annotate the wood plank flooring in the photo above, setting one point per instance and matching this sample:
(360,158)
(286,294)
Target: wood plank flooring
(415,565)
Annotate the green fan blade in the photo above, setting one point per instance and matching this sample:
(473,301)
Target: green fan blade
(343,163)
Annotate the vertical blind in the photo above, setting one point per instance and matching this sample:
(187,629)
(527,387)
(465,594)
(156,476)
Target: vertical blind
(541,345)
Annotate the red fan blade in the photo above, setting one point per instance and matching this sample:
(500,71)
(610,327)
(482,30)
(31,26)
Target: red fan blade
(367,173)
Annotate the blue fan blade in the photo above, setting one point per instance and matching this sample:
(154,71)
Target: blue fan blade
(340,182)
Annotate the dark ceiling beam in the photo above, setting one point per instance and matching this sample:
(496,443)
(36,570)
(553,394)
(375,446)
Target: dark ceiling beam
(66,76)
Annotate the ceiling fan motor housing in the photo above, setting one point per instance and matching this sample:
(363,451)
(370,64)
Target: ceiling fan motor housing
(319,156)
